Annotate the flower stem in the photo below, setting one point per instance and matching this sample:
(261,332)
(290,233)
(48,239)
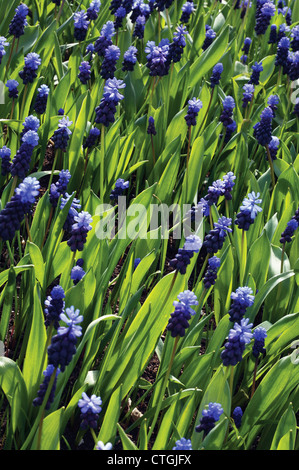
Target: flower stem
(102,162)
(271,166)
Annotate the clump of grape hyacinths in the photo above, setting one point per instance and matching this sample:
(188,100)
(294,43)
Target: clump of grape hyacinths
(257,68)
(19,205)
(211,273)
(262,130)
(105,38)
(238,337)
(266,12)
(77,272)
(209,38)
(48,373)
(187,10)
(19,21)
(32,62)
(247,94)
(12,86)
(194,106)
(90,408)
(120,186)
(40,104)
(105,112)
(59,188)
(79,231)
(182,259)
(93,10)
(62,135)
(81,24)
(210,416)
(84,72)
(214,240)
(63,344)
(183,444)
(108,68)
(241,300)
(130,59)
(54,306)
(245,49)
(259,335)
(248,211)
(216,75)
(21,161)
(5,154)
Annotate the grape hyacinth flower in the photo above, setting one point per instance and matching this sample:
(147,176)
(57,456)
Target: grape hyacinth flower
(62,134)
(112,54)
(19,205)
(77,273)
(59,188)
(214,192)
(248,211)
(296,107)
(289,231)
(241,300)
(281,59)
(187,298)
(293,69)
(130,59)
(216,75)
(79,231)
(93,10)
(209,417)
(32,62)
(178,322)
(90,409)
(105,38)
(120,186)
(245,49)
(273,147)
(295,39)
(139,27)
(263,18)
(194,107)
(259,335)
(12,86)
(273,34)
(151,129)
(101,446)
(157,59)
(283,29)
(48,373)
(245,4)
(54,306)
(105,112)
(92,138)
(211,273)
(247,94)
(60,112)
(136,262)
(237,416)
(187,10)
(272,102)
(140,9)
(214,240)
(63,344)
(228,183)
(182,258)
(19,21)
(31,123)
(176,48)
(3,44)
(114,5)
(209,38)
(73,211)
(5,154)
(81,24)
(120,14)
(40,104)
(228,107)
(21,161)
(262,131)
(84,72)
(238,337)
(183,444)
(257,68)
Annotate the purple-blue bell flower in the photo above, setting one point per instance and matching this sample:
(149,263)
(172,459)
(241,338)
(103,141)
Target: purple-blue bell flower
(262,131)
(183,444)
(130,59)
(108,68)
(38,401)
(238,337)
(12,86)
(187,10)
(247,94)
(40,104)
(5,154)
(32,62)
(257,68)
(93,10)
(210,416)
(84,72)
(81,24)
(216,75)
(79,231)
(54,306)
(194,106)
(19,21)
(259,335)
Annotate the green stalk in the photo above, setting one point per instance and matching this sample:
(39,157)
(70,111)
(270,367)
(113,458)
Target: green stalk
(102,162)
(243,257)
(271,166)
